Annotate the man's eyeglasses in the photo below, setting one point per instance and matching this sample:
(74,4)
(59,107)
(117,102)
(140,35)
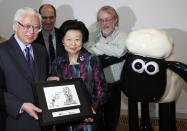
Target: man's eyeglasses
(105,20)
(28,27)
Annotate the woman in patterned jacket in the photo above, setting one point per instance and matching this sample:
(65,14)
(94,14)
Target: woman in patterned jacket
(77,62)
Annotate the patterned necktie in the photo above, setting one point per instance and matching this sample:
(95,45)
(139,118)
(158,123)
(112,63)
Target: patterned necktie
(51,49)
(30,61)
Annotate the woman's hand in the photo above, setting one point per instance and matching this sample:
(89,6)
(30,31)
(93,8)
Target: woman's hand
(90,119)
(53,78)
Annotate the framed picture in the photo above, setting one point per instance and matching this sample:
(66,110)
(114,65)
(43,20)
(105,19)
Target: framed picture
(62,102)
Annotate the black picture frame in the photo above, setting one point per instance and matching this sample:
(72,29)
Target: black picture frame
(62,102)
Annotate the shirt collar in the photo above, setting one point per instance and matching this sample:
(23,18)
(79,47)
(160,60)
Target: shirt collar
(46,33)
(21,44)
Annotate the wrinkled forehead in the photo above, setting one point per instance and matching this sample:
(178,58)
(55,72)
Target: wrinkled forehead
(30,18)
(47,11)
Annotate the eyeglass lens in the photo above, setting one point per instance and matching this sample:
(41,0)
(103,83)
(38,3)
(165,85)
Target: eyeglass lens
(28,27)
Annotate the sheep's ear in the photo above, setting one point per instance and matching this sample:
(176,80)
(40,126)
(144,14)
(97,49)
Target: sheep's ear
(179,68)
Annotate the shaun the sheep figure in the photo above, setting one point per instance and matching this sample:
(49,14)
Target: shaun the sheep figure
(148,76)
(144,78)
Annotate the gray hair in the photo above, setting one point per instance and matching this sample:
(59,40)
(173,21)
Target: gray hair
(109,10)
(26,10)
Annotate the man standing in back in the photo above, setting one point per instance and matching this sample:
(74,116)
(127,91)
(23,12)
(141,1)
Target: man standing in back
(49,36)
(109,43)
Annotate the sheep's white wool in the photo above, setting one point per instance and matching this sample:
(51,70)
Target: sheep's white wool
(174,84)
(150,42)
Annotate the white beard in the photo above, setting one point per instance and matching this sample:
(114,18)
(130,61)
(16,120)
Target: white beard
(107,32)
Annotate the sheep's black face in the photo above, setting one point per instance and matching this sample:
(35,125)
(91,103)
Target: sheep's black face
(143,78)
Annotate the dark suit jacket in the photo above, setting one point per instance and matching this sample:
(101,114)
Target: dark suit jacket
(59,45)
(18,83)
(2,105)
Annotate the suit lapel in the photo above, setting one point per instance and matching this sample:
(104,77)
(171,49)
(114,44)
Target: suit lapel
(19,59)
(41,39)
(59,45)
(37,61)
(40,56)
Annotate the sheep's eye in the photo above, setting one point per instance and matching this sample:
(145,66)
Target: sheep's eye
(138,65)
(151,68)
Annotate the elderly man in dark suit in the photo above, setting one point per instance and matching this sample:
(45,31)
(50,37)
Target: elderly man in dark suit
(49,36)
(22,62)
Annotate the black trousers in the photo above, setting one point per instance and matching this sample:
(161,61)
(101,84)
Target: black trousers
(112,107)
(2,121)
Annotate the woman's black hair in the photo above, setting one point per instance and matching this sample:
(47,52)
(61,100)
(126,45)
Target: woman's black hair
(74,25)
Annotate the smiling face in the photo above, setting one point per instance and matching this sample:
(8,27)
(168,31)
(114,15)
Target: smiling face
(73,42)
(48,18)
(107,22)
(27,35)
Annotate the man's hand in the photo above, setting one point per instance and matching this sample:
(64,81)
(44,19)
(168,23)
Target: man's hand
(31,109)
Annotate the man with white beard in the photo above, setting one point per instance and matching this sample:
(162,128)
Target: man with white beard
(108,42)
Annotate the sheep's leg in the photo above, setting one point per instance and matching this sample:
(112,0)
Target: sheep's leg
(133,115)
(167,117)
(145,118)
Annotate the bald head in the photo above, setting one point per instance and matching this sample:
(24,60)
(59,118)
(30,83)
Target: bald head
(48,13)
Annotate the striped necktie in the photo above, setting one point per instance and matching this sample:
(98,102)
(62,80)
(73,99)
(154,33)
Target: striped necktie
(30,61)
